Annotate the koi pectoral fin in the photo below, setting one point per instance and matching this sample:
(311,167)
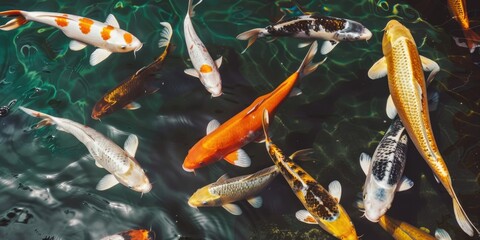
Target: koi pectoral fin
(305,216)
(107,182)
(328,46)
(390,108)
(405,184)
(430,66)
(335,189)
(378,69)
(256,202)
(441,234)
(132,106)
(192,72)
(232,208)
(365,161)
(76,45)
(98,56)
(238,158)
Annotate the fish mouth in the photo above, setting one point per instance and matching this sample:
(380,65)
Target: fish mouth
(187,169)
(367,34)
(371,219)
(191,205)
(217,94)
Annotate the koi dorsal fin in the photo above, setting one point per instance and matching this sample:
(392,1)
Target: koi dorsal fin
(112,21)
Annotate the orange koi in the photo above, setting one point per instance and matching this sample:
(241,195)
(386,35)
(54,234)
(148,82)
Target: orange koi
(458,8)
(225,141)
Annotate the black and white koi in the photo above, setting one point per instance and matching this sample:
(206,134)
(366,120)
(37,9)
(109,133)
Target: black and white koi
(384,171)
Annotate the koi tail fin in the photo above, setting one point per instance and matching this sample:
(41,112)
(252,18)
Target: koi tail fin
(472,39)
(250,35)
(166,35)
(462,219)
(191,13)
(47,119)
(18,21)
(307,65)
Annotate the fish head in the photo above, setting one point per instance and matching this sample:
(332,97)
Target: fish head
(101,109)
(126,42)
(204,198)
(198,157)
(377,200)
(136,179)
(210,78)
(354,31)
(394,30)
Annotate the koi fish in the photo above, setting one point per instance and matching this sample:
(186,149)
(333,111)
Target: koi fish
(136,234)
(311,26)
(323,207)
(107,37)
(227,190)
(225,141)
(458,9)
(403,66)
(403,231)
(205,68)
(120,163)
(124,94)
(384,171)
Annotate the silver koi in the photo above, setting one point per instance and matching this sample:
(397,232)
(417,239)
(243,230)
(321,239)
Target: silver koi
(119,162)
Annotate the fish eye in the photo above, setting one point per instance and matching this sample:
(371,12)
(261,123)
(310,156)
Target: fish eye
(204,203)
(123,47)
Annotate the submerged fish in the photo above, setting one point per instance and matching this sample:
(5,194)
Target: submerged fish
(205,68)
(403,231)
(225,141)
(227,190)
(403,65)
(136,234)
(108,36)
(313,26)
(384,171)
(323,207)
(458,8)
(123,95)
(119,162)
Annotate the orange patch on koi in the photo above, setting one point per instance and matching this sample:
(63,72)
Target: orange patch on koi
(205,68)
(62,21)
(139,235)
(106,32)
(128,38)
(85,25)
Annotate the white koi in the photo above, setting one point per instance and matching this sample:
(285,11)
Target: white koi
(107,37)
(119,162)
(205,68)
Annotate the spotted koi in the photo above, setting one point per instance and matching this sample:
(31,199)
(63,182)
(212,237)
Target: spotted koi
(107,37)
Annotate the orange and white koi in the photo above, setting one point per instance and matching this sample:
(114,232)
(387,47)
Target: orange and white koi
(403,66)
(120,163)
(205,68)
(458,9)
(107,37)
(403,231)
(135,234)
(322,206)
(225,141)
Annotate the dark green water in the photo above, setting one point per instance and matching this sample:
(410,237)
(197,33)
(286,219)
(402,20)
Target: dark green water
(48,181)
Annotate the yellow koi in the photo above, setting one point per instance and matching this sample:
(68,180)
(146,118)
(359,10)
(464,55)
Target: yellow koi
(403,65)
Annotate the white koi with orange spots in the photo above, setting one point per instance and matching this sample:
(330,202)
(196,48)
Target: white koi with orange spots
(204,67)
(108,36)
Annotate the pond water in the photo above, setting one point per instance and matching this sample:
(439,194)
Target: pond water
(48,179)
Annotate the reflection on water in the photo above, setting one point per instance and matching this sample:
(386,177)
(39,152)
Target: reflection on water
(48,180)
